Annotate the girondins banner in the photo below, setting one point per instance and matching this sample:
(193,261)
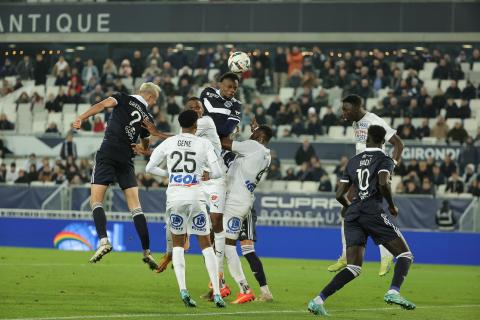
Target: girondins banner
(415,212)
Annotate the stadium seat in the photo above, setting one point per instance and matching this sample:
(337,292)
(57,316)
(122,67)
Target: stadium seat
(425,75)
(179,101)
(50,81)
(465,67)
(286,93)
(40,89)
(39,125)
(350,132)
(68,119)
(334,95)
(395,181)
(309,186)
(336,132)
(281,130)
(396,123)
(279,186)
(371,102)
(52,90)
(82,107)
(471,126)
(128,82)
(416,122)
(462,84)
(69,108)
(431,86)
(476,66)
(294,186)
(24,119)
(212,73)
(429,67)
(474,76)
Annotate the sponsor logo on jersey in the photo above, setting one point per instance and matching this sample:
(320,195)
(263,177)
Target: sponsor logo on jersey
(176,221)
(234,224)
(199,222)
(250,186)
(214,199)
(228,104)
(213,95)
(184,180)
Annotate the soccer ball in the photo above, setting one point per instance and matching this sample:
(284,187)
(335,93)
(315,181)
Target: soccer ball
(239,62)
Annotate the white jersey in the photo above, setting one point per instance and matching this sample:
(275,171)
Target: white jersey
(185,157)
(246,171)
(206,129)
(361,130)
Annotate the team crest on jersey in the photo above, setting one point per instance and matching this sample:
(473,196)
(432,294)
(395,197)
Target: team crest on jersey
(199,222)
(234,225)
(228,104)
(176,221)
(214,199)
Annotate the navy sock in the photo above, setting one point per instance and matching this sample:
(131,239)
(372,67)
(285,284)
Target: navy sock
(340,279)
(100,220)
(257,268)
(141,225)
(401,270)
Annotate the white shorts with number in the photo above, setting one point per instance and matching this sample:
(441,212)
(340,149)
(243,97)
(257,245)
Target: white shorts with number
(215,191)
(188,217)
(233,217)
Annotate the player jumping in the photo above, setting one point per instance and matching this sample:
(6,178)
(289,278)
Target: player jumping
(370,173)
(114,161)
(185,157)
(251,162)
(353,111)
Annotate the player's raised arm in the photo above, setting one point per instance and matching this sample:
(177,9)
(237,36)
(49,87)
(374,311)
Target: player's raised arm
(150,127)
(110,102)
(158,156)
(398,146)
(213,162)
(226,143)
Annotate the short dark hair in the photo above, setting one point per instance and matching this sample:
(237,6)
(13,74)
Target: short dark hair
(192,99)
(377,133)
(354,100)
(187,118)
(267,132)
(229,75)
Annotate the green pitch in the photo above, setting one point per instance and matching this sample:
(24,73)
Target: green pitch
(54,285)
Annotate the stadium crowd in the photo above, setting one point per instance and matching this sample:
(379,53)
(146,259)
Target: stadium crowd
(359,72)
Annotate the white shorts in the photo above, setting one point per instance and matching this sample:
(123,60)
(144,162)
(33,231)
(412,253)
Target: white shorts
(233,217)
(188,217)
(215,193)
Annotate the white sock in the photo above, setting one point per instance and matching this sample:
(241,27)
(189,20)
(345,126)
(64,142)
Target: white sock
(344,242)
(384,253)
(235,268)
(211,264)
(168,236)
(104,241)
(265,290)
(318,300)
(220,249)
(178,261)
(393,291)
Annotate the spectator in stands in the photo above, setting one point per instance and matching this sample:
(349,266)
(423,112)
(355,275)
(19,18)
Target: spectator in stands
(427,187)
(469,176)
(380,81)
(23,98)
(60,100)
(394,109)
(294,60)
(24,68)
(457,133)
(37,102)
(438,178)
(61,65)
(400,169)
(453,92)
(290,175)
(407,123)
(260,116)
(12,173)
(298,127)
(8,69)
(58,175)
(441,71)
(474,187)
(22,177)
(184,88)
(470,153)
(429,110)
(280,69)
(52,128)
(90,71)
(172,107)
(178,59)
(50,105)
(258,73)
(423,130)
(97,95)
(274,107)
(3,173)
(413,110)
(137,64)
(314,127)
(61,79)
(304,153)
(200,77)
(18,84)
(365,91)
(69,148)
(448,166)
(125,70)
(329,79)
(98,124)
(168,70)
(73,96)
(5,124)
(464,111)
(325,184)
(411,187)
(32,173)
(452,109)
(469,92)
(274,173)
(412,166)
(316,170)
(455,183)
(439,100)
(162,123)
(153,55)
(295,79)
(119,86)
(329,118)
(282,117)
(407,134)
(5,88)
(109,68)
(440,129)
(380,110)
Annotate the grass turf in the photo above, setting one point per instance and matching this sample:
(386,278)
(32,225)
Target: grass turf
(38,283)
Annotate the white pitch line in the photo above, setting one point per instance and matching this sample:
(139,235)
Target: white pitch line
(209,314)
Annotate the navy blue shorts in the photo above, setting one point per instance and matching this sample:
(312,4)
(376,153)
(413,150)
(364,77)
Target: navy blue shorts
(107,171)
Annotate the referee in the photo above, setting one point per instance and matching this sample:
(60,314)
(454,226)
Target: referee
(114,161)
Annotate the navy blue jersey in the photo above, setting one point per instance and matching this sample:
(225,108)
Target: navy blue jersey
(125,126)
(226,113)
(362,171)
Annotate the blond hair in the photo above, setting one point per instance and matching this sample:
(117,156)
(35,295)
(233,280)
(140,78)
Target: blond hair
(149,87)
